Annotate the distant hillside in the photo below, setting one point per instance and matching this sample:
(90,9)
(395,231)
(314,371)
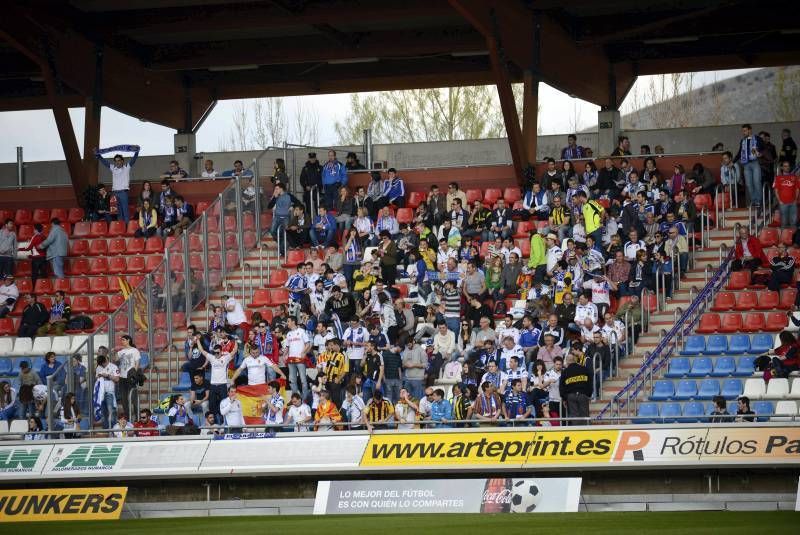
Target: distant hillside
(749,97)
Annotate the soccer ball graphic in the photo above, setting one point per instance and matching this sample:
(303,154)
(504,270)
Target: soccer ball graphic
(525,496)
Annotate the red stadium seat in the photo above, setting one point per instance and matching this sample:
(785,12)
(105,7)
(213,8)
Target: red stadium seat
(23,216)
(78,266)
(62,214)
(121,322)
(7,327)
(724,301)
(261,298)
(80,304)
(160,321)
(41,215)
(98,229)
(248,221)
(415,198)
(472,196)
(704,200)
(196,262)
(524,229)
(213,224)
(151,263)
(134,246)
(140,339)
(136,280)
(730,323)
(231,241)
(753,322)
(709,323)
(61,285)
(277,278)
(512,195)
(43,287)
(213,242)
(250,239)
(98,285)
(769,237)
(176,263)
(491,196)
(115,302)
(99,304)
(405,215)
(98,247)
(215,261)
(746,300)
(134,264)
(293,258)
(132,227)
(79,285)
(776,321)
(278,296)
(24,286)
(6,214)
(195,243)
(98,266)
(230,223)
(788,297)
(117,265)
(117,246)
(81,229)
(787,236)
(201,207)
(739,280)
(76,215)
(153,245)
(23,268)
(766,300)
(79,247)
(232,259)
(24,233)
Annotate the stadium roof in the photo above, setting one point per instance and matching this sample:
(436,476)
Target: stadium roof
(168,61)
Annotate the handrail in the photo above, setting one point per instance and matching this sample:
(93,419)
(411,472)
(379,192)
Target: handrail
(635,385)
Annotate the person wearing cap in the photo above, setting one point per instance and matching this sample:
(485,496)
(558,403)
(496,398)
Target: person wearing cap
(554,252)
(56,245)
(575,385)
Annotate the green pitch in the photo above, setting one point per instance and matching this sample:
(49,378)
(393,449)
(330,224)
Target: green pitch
(729,523)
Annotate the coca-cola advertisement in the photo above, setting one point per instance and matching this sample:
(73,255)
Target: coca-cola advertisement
(490,496)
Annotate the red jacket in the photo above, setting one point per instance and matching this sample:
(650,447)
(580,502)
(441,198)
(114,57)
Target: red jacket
(36,240)
(147,429)
(756,251)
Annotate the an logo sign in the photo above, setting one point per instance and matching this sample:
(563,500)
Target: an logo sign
(20,460)
(62,504)
(86,458)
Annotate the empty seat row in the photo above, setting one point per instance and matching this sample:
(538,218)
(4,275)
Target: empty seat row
(741,280)
(776,388)
(10,367)
(695,411)
(755,300)
(71,286)
(705,367)
(269,298)
(686,389)
(116,246)
(737,344)
(60,345)
(769,237)
(750,322)
(25,216)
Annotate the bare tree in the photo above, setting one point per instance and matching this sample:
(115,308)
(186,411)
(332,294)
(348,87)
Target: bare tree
(306,124)
(784,96)
(240,134)
(270,122)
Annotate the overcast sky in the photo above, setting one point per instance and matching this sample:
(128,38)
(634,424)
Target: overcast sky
(36,131)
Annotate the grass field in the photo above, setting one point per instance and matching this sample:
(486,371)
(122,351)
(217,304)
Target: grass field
(729,523)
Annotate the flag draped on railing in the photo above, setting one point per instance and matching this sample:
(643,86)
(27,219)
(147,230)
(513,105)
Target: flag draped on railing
(139,302)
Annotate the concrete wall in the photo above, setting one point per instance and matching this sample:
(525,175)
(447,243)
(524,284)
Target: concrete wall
(415,155)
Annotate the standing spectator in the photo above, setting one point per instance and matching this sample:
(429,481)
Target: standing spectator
(572,151)
(387,250)
(231,411)
(56,244)
(60,313)
(787,189)
(298,345)
(311,181)
(334,366)
(104,395)
(414,363)
(552,381)
(121,175)
(378,411)
(281,204)
(38,254)
(34,316)
(623,147)
(8,248)
(405,411)
(129,359)
(145,426)
(453,193)
(788,152)
(334,175)
(676,241)
(219,379)
(393,373)
(257,366)
(730,174)
(575,385)
(767,158)
(273,404)
(750,148)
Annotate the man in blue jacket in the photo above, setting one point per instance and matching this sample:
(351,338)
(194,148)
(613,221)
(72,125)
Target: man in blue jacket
(334,175)
(323,229)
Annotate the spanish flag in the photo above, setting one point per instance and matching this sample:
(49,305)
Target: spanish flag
(251,397)
(139,302)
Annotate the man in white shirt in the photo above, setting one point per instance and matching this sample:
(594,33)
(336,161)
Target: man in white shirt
(298,414)
(318,297)
(425,403)
(508,248)
(551,382)
(554,253)
(515,371)
(585,309)
(632,246)
(108,373)
(208,169)
(444,342)
(231,410)
(257,366)
(9,294)
(298,345)
(218,362)
(601,287)
(510,349)
(355,341)
(234,315)
(507,329)
(120,175)
(321,338)
(587,331)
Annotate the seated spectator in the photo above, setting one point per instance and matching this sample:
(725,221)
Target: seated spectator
(327,414)
(208,169)
(174,171)
(181,215)
(199,393)
(60,313)
(34,316)
(145,426)
(148,221)
(786,359)
(9,293)
(238,170)
(8,401)
(27,380)
(748,252)
(101,207)
(720,414)
(441,410)
(743,411)
(782,266)
(123,428)
(35,429)
(323,229)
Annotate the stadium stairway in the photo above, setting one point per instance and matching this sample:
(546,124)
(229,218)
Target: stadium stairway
(706,260)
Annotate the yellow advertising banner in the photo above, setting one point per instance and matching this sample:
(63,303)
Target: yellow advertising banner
(36,505)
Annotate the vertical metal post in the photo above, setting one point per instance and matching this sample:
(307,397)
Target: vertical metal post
(50,405)
(239,218)
(168,301)
(112,326)
(148,288)
(368,148)
(131,320)
(257,206)
(224,259)
(187,275)
(206,272)
(20,168)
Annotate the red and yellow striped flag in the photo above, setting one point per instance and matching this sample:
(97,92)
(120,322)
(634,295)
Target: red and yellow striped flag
(139,302)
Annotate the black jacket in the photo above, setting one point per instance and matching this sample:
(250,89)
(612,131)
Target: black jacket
(35,314)
(344,307)
(575,378)
(311,175)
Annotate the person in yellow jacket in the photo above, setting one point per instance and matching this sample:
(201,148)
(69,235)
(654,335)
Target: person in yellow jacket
(592,215)
(538,259)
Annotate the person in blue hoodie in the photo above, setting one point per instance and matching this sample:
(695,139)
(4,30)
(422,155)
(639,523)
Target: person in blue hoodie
(323,229)
(334,176)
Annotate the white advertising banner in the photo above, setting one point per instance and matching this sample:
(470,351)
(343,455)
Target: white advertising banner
(24,461)
(493,495)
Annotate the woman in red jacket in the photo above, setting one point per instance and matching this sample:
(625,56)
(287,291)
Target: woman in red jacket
(38,256)
(786,358)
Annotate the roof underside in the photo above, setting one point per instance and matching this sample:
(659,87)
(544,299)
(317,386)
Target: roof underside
(167,60)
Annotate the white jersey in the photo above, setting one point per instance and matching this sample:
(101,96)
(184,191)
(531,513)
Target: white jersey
(360,334)
(256,369)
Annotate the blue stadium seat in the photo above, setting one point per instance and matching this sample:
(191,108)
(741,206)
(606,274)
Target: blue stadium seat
(701,367)
(37,364)
(708,389)
(678,367)
(693,411)
(761,343)
(662,390)
(695,345)
(144,361)
(763,410)
(716,344)
(732,389)
(738,344)
(84,424)
(687,389)
(6,367)
(745,366)
(184,383)
(670,412)
(647,413)
(724,366)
